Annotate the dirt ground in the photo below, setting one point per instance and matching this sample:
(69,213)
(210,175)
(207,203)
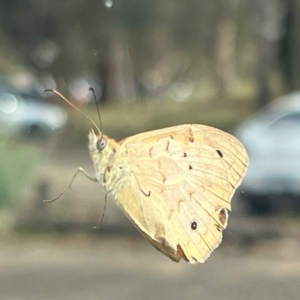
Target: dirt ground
(258,259)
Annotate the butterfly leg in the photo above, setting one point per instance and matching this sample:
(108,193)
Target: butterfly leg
(70,185)
(103,213)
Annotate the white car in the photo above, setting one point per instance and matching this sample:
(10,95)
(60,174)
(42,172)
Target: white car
(29,115)
(272,139)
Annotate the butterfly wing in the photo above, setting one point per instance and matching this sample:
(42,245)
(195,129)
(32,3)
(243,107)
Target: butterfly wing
(179,187)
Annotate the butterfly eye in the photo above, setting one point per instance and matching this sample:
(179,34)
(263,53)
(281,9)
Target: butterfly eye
(101,143)
(194,225)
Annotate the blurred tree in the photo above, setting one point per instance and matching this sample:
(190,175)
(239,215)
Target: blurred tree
(289,45)
(133,47)
(120,44)
(267,16)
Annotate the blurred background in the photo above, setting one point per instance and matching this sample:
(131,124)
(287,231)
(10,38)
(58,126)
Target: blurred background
(232,64)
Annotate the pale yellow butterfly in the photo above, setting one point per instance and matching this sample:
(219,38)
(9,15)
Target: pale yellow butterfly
(174,184)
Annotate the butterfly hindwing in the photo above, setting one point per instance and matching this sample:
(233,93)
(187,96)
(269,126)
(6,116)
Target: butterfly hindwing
(183,179)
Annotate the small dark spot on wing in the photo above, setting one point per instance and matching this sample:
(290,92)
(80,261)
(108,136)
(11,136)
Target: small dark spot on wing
(184,154)
(220,153)
(150,152)
(190,167)
(178,204)
(190,135)
(167,147)
(170,214)
(219,228)
(191,194)
(146,194)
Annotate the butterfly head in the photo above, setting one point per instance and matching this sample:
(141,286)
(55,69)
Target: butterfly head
(101,148)
(97,143)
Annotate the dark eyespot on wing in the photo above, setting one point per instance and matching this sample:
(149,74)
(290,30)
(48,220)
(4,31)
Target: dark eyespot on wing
(194,225)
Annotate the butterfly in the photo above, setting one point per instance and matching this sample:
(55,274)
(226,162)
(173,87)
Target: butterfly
(174,184)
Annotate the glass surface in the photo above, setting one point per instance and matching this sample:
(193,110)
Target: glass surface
(152,64)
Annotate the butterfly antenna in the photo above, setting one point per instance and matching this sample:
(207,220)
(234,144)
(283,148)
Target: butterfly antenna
(97,106)
(66,100)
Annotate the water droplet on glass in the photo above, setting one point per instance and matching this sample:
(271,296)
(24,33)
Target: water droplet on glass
(108,3)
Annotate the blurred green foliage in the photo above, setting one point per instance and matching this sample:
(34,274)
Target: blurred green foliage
(17,160)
